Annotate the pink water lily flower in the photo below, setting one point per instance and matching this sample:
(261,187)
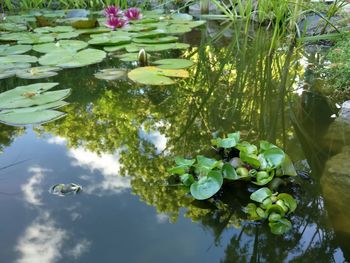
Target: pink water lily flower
(133,14)
(112,11)
(115,22)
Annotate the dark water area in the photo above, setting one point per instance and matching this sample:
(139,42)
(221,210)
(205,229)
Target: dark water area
(118,139)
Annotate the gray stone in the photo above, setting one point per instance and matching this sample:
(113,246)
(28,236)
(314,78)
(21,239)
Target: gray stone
(335,184)
(338,134)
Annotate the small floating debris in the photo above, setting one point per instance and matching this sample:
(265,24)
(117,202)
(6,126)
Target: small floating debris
(65,189)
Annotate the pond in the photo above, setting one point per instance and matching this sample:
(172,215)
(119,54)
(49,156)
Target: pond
(118,138)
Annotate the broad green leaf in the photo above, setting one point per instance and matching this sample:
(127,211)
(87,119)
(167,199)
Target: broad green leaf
(13,27)
(173,63)
(152,34)
(115,48)
(205,165)
(229,142)
(288,167)
(275,209)
(274,157)
(281,226)
(156,47)
(109,40)
(156,76)
(187,179)
(265,145)
(182,165)
(156,40)
(250,209)
(39,117)
(6,50)
(35,39)
(37,72)
(72,59)
(288,201)
(18,59)
(129,57)
(110,74)
(247,148)
(56,29)
(62,45)
(261,194)
(181,16)
(250,159)
(229,172)
(263,178)
(207,186)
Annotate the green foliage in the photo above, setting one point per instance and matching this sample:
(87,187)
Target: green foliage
(337,73)
(204,177)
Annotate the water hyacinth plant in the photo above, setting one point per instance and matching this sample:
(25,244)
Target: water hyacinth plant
(261,167)
(117,19)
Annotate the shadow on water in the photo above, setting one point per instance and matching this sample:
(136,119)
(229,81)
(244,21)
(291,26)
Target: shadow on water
(242,86)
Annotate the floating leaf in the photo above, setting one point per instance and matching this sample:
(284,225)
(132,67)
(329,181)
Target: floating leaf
(62,45)
(31,104)
(18,59)
(13,27)
(229,172)
(105,40)
(115,48)
(152,34)
(288,167)
(181,16)
(156,40)
(182,165)
(250,209)
(250,159)
(156,47)
(205,165)
(229,142)
(37,72)
(56,29)
(173,63)
(281,226)
(187,179)
(289,201)
(129,57)
(261,194)
(274,157)
(275,209)
(156,76)
(6,50)
(263,177)
(35,39)
(247,148)
(207,185)
(110,74)
(71,59)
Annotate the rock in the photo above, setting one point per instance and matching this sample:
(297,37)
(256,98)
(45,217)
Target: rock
(335,184)
(338,134)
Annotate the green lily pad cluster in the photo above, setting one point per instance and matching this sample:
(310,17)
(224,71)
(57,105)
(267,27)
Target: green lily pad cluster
(255,165)
(32,104)
(274,207)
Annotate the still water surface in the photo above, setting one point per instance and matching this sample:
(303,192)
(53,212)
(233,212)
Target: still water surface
(118,138)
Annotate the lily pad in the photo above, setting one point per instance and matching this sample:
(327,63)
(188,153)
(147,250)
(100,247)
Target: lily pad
(115,48)
(156,76)
(156,47)
(129,57)
(181,16)
(37,72)
(156,40)
(18,59)
(173,63)
(205,165)
(72,59)
(8,70)
(12,27)
(65,189)
(6,50)
(105,40)
(62,45)
(31,104)
(56,29)
(35,39)
(261,194)
(207,186)
(110,74)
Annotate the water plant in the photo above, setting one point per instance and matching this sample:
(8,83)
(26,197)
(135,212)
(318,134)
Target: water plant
(262,166)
